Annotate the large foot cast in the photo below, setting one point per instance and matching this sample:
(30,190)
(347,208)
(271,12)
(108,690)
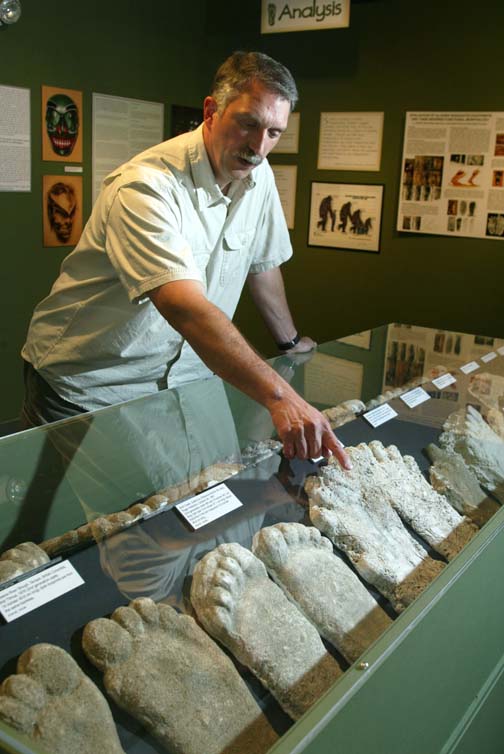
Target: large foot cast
(325,589)
(21,559)
(450,475)
(399,480)
(351,508)
(167,673)
(241,607)
(467,433)
(56,705)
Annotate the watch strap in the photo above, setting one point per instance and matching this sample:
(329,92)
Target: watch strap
(289,344)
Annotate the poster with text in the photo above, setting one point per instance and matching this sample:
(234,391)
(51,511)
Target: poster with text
(452,176)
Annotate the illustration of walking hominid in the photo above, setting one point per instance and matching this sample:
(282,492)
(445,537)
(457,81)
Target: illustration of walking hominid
(345,216)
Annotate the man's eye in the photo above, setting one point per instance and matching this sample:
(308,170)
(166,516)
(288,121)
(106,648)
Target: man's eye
(274,134)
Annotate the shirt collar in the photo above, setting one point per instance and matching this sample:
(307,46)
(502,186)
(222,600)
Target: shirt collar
(207,190)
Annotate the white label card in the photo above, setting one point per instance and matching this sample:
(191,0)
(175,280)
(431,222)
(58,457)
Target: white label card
(489,357)
(470,367)
(444,381)
(37,590)
(208,506)
(380,415)
(415,397)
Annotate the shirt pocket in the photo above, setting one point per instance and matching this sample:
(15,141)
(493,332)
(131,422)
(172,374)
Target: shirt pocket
(236,253)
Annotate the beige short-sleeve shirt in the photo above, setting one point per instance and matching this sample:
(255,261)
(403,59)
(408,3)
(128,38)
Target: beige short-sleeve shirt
(97,338)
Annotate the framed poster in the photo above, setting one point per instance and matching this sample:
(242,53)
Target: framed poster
(350,141)
(122,127)
(289,140)
(61,124)
(346,216)
(62,209)
(15,139)
(285,179)
(452,177)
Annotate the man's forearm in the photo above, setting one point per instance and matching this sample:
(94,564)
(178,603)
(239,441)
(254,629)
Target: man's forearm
(304,431)
(268,292)
(226,352)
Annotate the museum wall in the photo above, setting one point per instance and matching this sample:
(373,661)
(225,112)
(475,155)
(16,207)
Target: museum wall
(395,57)
(118,47)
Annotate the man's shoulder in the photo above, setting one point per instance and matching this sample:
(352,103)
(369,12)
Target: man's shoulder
(171,154)
(161,164)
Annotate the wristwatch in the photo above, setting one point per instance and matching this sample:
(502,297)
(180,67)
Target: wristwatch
(289,344)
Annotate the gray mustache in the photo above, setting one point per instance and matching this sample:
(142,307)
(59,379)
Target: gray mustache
(254,159)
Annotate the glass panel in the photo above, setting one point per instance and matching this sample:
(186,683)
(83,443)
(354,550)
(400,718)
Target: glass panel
(55,479)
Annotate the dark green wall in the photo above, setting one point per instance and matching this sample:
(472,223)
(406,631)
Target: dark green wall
(396,56)
(151,50)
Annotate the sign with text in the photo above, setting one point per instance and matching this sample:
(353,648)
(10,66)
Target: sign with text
(208,506)
(415,397)
(282,16)
(380,415)
(37,590)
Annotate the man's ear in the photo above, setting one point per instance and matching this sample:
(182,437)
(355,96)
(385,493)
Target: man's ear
(209,110)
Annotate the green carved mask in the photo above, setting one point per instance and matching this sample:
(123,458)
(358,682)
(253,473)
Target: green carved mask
(62,123)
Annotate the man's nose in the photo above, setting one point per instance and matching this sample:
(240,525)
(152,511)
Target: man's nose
(259,143)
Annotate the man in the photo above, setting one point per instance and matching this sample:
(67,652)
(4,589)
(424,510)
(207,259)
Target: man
(149,292)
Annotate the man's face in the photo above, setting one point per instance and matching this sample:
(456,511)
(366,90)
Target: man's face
(241,137)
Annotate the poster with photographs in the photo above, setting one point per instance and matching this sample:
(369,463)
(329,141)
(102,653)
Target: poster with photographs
(62,209)
(346,216)
(61,124)
(452,180)
(414,351)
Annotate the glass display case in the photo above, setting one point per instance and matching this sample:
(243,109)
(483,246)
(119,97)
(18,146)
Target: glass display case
(101,492)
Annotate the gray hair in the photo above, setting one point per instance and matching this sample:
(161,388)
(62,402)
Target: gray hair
(241,69)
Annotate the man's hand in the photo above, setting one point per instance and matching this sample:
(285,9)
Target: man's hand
(304,431)
(304,345)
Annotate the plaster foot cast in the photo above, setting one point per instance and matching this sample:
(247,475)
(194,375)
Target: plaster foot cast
(167,673)
(495,419)
(345,412)
(217,472)
(487,389)
(21,559)
(56,705)
(467,433)
(450,476)
(255,452)
(399,479)
(348,508)
(103,526)
(325,589)
(241,607)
